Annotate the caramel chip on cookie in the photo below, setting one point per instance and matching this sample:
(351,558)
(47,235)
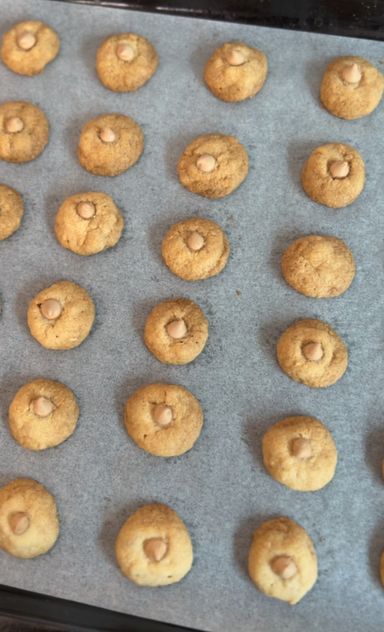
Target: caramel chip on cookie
(11,211)
(29,46)
(24,131)
(125,62)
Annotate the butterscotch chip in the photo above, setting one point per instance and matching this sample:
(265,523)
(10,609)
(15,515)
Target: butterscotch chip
(11,211)
(125,62)
(29,46)
(24,131)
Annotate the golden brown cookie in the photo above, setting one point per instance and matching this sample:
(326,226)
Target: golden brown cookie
(318,266)
(163,419)
(213,165)
(334,175)
(110,144)
(153,547)
(28,47)
(11,211)
(195,249)
(29,523)
(125,62)
(61,316)
(236,71)
(88,223)
(176,331)
(24,131)
(351,87)
(282,560)
(43,414)
(300,453)
(310,352)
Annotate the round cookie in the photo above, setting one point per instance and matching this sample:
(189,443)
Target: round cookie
(195,249)
(351,87)
(43,414)
(318,266)
(236,72)
(300,453)
(176,331)
(153,547)
(110,144)
(11,211)
(29,523)
(24,131)
(334,175)
(310,352)
(61,316)
(282,560)
(163,419)
(28,47)
(125,62)
(213,165)
(88,223)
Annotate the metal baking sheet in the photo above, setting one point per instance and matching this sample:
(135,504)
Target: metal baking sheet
(220,488)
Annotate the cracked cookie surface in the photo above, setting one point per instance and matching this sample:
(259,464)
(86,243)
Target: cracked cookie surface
(29,46)
(24,131)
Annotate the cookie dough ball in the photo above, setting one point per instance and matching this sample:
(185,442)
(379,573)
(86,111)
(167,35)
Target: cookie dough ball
(29,523)
(282,560)
(300,453)
(110,144)
(11,211)
(310,352)
(43,414)
(153,547)
(195,249)
(125,62)
(236,71)
(213,165)
(351,87)
(28,47)
(318,266)
(334,175)
(88,223)
(61,316)
(176,331)
(163,419)
(24,131)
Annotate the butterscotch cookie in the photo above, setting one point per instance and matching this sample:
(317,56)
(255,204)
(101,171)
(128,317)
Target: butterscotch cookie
(61,316)
(334,175)
(24,131)
(110,144)
(11,211)
(318,266)
(29,523)
(29,46)
(282,560)
(163,419)
(351,87)
(195,249)
(236,71)
(125,62)
(153,547)
(310,352)
(213,165)
(176,331)
(88,223)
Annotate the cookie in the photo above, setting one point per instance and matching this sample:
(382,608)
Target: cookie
(195,249)
(176,331)
(125,62)
(11,211)
(236,72)
(213,165)
(61,316)
(163,419)
(24,131)
(153,547)
(43,414)
(29,523)
(88,223)
(28,47)
(310,352)
(282,560)
(351,87)
(110,144)
(318,266)
(300,453)
(334,175)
